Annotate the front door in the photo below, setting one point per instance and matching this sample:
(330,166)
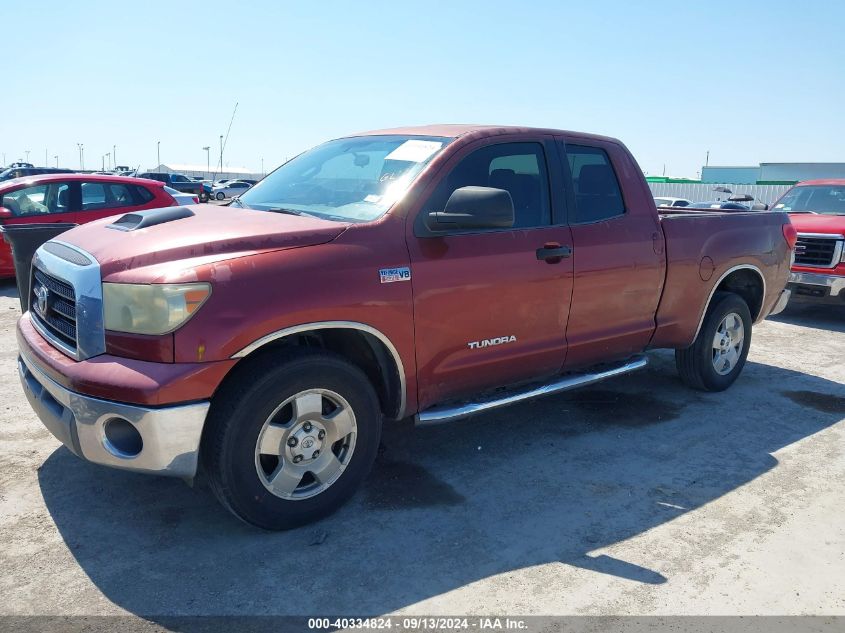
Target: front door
(490,306)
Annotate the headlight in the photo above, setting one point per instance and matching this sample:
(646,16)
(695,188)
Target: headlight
(151,308)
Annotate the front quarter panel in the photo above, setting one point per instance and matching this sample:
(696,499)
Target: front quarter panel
(257,295)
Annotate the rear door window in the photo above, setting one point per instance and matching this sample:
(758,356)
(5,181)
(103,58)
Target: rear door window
(597,193)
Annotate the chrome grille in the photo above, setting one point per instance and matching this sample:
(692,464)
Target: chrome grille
(817,251)
(54,306)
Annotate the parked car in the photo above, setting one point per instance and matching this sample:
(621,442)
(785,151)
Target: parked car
(719,205)
(271,341)
(181,198)
(76,198)
(24,172)
(665,201)
(817,210)
(179,182)
(230,189)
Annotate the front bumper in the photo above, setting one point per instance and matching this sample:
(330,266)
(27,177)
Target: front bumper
(817,286)
(169,436)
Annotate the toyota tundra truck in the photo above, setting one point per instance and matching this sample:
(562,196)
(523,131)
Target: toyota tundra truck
(817,211)
(430,272)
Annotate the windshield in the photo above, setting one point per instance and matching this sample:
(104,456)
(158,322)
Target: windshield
(826,199)
(352,179)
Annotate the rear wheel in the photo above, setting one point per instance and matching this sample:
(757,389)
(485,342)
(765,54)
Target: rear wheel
(292,445)
(716,358)
(220,195)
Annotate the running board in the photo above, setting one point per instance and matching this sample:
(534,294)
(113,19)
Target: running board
(445,413)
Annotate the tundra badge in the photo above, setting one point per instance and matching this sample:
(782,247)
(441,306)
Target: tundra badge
(389,275)
(487,342)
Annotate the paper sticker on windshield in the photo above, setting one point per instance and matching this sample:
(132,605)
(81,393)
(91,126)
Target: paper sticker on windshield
(389,275)
(414,151)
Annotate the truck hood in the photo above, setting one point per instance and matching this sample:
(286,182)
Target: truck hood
(818,223)
(211,234)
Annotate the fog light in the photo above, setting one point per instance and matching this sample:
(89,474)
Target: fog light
(122,438)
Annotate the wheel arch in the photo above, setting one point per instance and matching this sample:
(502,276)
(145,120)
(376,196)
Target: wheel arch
(745,280)
(364,346)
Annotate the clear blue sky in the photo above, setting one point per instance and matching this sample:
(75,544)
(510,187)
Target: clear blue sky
(749,81)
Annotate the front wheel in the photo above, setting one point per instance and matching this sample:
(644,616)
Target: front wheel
(220,195)
(716,358)
(292,445)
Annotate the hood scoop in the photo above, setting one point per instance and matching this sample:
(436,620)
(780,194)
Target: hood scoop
(143,219)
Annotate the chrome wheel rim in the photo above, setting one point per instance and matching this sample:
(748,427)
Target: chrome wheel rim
(305,444)
(727,344)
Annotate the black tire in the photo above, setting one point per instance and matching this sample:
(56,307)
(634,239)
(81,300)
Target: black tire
(203,197)
(238,413)
(695,364)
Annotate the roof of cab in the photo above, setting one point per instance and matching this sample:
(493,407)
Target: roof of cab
(454,130)
(836,182)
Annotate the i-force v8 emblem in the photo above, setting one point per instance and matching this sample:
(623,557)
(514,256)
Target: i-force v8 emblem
(389,275)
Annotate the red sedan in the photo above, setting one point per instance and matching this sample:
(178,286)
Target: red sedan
(76,198)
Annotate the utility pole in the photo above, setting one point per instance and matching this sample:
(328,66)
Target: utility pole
(46,162)
(262,167)
(707,160)
(57,160)
(158,152)
(81,156)
(109,157)
(27,155)
(207,149)
(104,162)
(114,154)
(221,152)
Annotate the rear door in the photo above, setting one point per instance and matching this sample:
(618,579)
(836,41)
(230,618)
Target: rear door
(487,310)
(101,199)
(619,264)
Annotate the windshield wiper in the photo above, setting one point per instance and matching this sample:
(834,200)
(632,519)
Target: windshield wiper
(813,212)
(290,212)
(239,203)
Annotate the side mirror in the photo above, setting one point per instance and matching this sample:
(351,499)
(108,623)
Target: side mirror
(474,208)
(5,214)
(760,206)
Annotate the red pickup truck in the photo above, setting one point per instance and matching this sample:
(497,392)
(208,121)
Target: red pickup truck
(817,210)
(434,272)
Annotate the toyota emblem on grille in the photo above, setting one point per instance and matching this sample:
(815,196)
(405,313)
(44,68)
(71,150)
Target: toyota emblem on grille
(42,294)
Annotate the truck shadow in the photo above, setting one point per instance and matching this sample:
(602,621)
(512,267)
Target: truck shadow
(8,288)
(821,316)
(546,482)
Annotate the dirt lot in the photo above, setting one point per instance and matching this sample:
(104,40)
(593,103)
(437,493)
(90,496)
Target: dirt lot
(637,496)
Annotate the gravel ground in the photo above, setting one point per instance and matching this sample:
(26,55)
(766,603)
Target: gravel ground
(636,496)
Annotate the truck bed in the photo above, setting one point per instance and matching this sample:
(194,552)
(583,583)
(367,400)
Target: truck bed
(702,246)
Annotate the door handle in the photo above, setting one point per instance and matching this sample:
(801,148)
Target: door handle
(552,252)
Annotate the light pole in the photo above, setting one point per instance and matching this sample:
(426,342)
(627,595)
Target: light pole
(114,154)
(104,162)
(81,156)
(57,160)
(109,157)
(207,149)
(46,161)
(158,152)
(262,167)
(26,151)
(221,153)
